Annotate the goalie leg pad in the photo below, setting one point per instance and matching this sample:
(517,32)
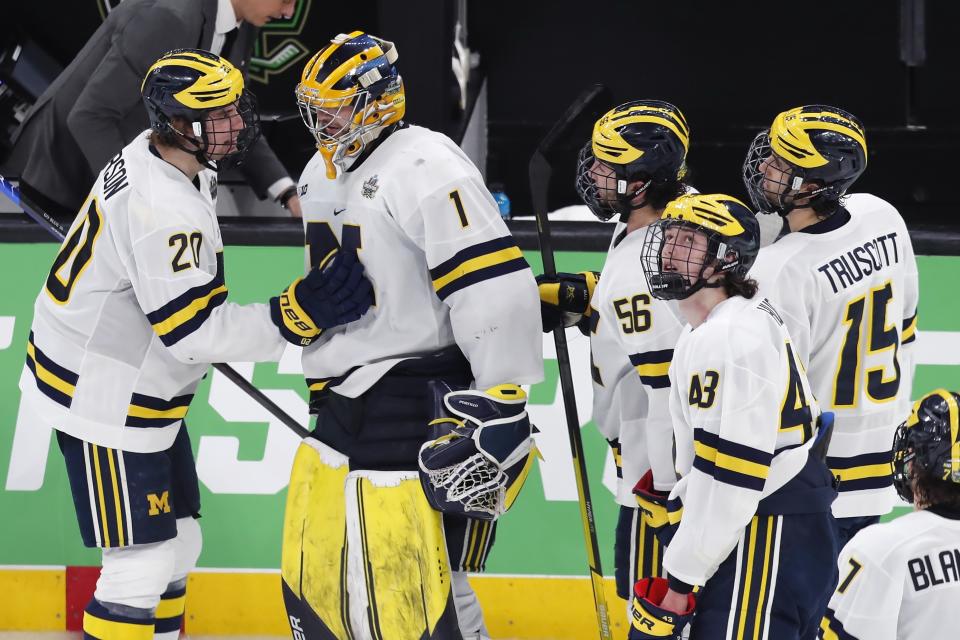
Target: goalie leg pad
(398,573)
(314,529)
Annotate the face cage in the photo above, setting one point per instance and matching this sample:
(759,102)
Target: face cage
(320,116)
(672,285)
(603,202)
(779,201)
(241,140)
(477,484)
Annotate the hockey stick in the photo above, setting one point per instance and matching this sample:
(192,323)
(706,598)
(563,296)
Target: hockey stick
(588,105)
(44,219)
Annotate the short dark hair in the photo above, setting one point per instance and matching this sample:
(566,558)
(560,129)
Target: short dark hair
(735,284)
(659,193)
(930,490)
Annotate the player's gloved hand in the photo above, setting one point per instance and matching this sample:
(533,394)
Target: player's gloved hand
(653,508)
(479,452)
(649,619)
(333,293)
(565,298)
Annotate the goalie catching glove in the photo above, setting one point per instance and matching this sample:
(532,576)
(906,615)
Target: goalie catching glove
(480,449)
(565,298)
(335,292)
(650,620)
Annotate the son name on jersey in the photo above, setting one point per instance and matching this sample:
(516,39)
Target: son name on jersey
(114,177)
(926,572)
(856,264)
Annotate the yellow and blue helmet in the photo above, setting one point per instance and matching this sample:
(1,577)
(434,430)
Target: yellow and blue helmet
(929,440)
(732,236)
(643,141)
(349,92)
(207,92)
(814,143)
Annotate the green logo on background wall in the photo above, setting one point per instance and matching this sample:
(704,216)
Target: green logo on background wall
(276,49)
(278,46)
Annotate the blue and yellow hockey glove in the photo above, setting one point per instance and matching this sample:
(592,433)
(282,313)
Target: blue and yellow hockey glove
(650,620)
(565,298)
(333,293)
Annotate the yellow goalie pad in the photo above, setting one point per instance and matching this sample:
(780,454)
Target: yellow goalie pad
(398,573)
(314,530)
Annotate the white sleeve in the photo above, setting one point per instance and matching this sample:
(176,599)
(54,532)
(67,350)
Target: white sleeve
(908,329)
(479,273)
(178,279)
(790,293)
(734,419)
(866,603)
(647,331)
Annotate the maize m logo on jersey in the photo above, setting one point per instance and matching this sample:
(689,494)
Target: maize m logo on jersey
(277,48)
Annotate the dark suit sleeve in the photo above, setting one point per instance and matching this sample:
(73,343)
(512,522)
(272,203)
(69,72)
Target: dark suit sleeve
(113,90)
(261,168)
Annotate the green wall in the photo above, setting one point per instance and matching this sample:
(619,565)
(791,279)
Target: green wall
(244,464)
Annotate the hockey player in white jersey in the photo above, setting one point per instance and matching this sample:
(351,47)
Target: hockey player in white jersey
(133,311)
(845,280)
(901,580)
(364,554)
(754,529)
(632,167)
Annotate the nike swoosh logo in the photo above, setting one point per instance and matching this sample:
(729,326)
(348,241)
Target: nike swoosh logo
(337,212)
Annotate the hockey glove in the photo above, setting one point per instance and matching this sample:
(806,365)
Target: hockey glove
(479,453)
(649,619)
(335,292)
(653,508)
(565,298)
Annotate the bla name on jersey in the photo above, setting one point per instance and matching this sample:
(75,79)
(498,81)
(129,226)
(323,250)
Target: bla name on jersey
(927,571)
(856,264)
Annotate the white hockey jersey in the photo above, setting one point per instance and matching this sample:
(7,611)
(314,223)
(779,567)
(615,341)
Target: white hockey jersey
(135,307)
(631,346)
(849,297)
(744,420)
(898,581)
(443,264)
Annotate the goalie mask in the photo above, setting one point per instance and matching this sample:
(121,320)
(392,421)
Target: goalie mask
(930,440)
(349,92)
(479,454)
(644,141)
(207,92)
(697,233)
(812,144)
